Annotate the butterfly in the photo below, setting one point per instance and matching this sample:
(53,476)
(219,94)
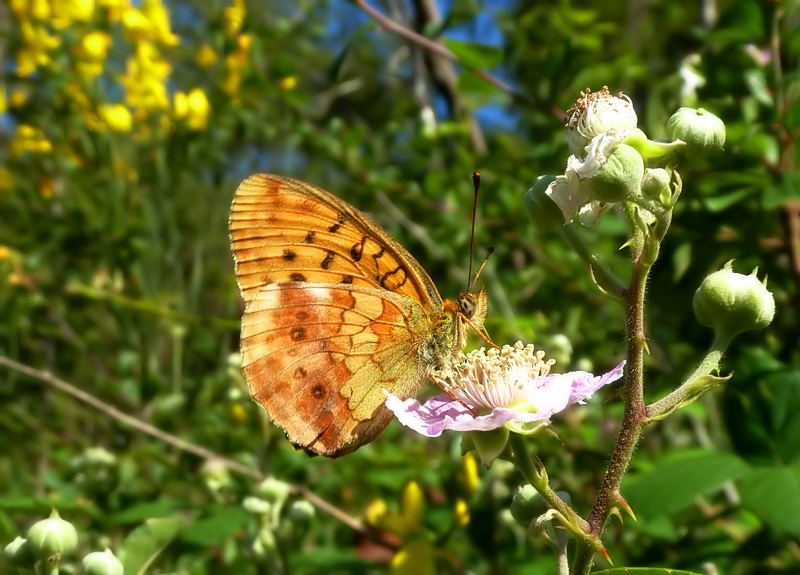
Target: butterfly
(336,310)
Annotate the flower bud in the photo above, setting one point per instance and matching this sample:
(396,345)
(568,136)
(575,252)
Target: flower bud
(542,210)
(18,554)
(702,131)
(731,303)
(488,444)
(300,512)
(102,563)
(51,538)
(656,186)
(526,504)
(620,177)
(256,505)
(215,475)
(273,490)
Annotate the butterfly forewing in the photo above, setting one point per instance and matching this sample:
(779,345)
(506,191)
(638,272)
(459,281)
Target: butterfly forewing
(286,230)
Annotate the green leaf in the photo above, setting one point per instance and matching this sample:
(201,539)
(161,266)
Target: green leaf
(473,55)
(681,260)
(143,511)
(675,481)
(725,201)
(145,543)
(773,494)
(221,523)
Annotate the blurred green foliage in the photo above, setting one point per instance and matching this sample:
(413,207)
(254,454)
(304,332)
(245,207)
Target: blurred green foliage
(126,126)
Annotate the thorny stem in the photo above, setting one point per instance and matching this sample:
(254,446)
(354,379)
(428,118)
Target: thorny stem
(635,415)
(533,471)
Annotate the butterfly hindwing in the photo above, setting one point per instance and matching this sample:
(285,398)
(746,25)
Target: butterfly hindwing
(317,357)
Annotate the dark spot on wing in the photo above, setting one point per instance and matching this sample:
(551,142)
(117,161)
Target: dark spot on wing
(298,333)
(301,315)
(347,280)
(289,255)
(357,251)
(297,277)
(300,373)
(318,391)
(326,263)
(310,237)
(335,227)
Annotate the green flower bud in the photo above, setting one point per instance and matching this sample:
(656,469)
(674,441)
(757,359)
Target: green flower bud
(656,186)
(543,211)
(256,505)
(273,490)
(702,131)
(300,512)
(731,303)
(18,554)
(51,538)
(215,475)
(101,563)
(265,544)
(620,177)
(488,444)
(526,504)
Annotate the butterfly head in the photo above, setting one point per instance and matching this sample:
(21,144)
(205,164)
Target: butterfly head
(473,306)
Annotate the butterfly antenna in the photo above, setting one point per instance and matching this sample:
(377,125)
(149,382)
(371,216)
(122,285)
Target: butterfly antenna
(476,184)
(489,252)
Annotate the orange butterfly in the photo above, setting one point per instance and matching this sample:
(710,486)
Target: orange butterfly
(335,310)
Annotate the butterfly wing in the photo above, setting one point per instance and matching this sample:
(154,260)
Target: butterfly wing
(335,311)
(283,229)
(317,355)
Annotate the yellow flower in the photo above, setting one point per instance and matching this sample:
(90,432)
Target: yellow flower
(462,512)
(117,117)
(144,82)
(239,413)
(413,504)
(193,107)
(158,16)
(89,70)
(34,9)
(469,470)
(3,100)
(150,23)
(65,12)
(5,253)
(288,83)
(244,41)
(29,139)
(234,17)
(37,42)
(206,57)
(114,8)
(18,98)
(94,46)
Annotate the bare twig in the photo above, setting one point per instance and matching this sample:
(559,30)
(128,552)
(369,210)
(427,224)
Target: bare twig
(187,446)
(435,48)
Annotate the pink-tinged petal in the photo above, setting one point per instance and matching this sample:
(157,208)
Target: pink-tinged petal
(430,419)
(585,384)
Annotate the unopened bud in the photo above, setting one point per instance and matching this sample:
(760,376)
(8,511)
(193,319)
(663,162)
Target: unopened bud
(731,303)
(702,131)
(51,538)
(102,563)
(620,177)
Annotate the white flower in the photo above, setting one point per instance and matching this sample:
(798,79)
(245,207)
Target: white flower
(596,113)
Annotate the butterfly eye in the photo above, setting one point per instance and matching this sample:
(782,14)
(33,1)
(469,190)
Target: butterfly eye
(466,305)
